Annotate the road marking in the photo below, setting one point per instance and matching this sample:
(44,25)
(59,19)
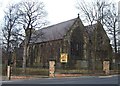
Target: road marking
(105,76)
(6,81)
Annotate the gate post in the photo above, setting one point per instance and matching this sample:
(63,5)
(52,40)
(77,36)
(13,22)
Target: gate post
(9,72)
(9,69)
(51,68)
(106,67)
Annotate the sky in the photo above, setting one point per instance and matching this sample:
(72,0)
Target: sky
(58,10)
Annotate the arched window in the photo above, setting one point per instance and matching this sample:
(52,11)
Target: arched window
(76,44)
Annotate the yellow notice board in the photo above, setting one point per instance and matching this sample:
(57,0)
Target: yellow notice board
(64,57)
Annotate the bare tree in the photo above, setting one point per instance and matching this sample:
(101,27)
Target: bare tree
(10,19)
(119,26)
(103,11)
(94,11)
(111,22)
(33,17)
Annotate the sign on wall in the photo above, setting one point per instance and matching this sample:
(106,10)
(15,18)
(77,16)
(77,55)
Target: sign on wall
(63,57)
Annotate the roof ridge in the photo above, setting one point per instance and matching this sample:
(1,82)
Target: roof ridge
(55,31)
(56,24)
(90,25)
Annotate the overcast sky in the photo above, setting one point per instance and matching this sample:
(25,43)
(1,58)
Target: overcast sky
(58,10)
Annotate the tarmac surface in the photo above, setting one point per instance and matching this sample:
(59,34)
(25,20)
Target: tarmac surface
(112,80)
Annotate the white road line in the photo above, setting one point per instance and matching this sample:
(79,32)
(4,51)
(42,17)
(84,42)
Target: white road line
(6,81)
(105,76)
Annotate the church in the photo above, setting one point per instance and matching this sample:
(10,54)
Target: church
(70,43)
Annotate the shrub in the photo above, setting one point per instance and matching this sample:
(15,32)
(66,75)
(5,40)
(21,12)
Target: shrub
(30,71)
(72,71)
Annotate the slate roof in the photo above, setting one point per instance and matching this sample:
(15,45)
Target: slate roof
(57,31)
(53,32)
(89,29)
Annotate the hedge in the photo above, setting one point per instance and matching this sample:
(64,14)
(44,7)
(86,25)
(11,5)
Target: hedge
(30,71)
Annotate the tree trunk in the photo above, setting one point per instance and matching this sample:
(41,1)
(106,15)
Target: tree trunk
(24,56)
(115,44)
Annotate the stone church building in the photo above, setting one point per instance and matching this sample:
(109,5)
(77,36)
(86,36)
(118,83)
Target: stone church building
(83,46)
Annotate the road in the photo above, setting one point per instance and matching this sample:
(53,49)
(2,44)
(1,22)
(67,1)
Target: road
(72,80)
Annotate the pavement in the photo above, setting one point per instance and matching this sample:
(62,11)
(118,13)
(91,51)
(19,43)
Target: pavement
(112,79)
(4,78)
